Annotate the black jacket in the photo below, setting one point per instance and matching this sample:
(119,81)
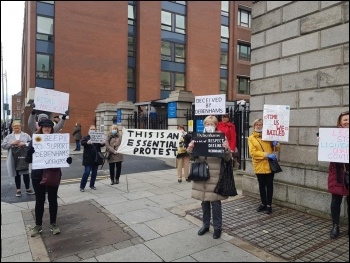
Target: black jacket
(90,151)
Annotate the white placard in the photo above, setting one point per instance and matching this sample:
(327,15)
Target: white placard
(210,105)
(51,100)
(333,145)
(51,150)
(150,143)
(276,123)
(97,137)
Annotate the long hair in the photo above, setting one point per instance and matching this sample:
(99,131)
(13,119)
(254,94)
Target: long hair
(341,116)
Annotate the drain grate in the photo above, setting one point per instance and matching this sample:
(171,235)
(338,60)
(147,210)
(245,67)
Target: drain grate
(287,233)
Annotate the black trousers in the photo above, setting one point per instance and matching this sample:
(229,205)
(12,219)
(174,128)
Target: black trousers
(40,191)
(114,175)
(26,180)
(266,188)
(335,207)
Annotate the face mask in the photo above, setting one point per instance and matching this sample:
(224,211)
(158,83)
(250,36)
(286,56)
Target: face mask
(258,130)
(114,132)
(209,129)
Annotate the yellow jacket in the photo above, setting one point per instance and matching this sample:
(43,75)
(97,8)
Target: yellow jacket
(258,153)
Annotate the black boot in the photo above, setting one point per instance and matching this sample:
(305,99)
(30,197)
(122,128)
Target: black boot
(217,233)
(335,231)
(203,230)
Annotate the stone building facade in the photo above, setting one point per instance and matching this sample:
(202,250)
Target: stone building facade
(300,57)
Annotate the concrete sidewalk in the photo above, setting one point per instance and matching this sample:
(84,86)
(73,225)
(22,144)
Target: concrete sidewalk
(150,217)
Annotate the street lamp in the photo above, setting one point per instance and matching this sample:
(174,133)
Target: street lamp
(2,85)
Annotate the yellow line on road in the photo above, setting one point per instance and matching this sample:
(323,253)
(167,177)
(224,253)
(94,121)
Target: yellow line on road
(67,181)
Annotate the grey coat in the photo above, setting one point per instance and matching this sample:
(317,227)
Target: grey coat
(77,133)
(112,144)
(6,144)
(204,190)
(32,124)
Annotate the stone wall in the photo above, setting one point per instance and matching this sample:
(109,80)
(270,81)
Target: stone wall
(300,57)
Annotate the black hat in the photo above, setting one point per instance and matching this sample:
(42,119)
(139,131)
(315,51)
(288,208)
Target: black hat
(46,123)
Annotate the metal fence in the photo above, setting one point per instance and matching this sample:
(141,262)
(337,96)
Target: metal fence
(145,121)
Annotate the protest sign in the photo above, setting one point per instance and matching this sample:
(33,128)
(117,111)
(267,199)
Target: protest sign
(276,123)
(51,100)
(51,150)
(208,144)
(333,145)
(150,143)
(97,137)
(210,105)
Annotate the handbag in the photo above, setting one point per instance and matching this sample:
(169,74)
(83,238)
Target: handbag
(19,154)
(274,165)
(226,185)
(99,158)
(51,177)
(199,171)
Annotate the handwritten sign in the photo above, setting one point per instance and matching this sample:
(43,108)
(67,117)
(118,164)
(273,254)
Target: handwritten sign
(51,100)
(150,143)
(276,123)
(208,144)
(97,137)
(333,145)
(51,150)
(210,105)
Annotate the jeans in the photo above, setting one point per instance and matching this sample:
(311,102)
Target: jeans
(266,188)
(26,180)
(77,145)
(116,175)
(88,169)
(40,191)
(335,207)
(217,214)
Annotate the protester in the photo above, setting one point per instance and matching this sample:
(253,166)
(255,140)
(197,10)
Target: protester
(33,125)
(115,159)
(77,136)
(89,160)
(17,139)
(204,190)
(336,182)
(45,127)
(261,151)
(183,158)
(229,129)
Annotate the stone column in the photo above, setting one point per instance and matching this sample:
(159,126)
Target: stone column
(104,116)
(125,108)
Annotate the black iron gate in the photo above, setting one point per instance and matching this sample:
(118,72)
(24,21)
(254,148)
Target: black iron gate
(239,115)
(145,121)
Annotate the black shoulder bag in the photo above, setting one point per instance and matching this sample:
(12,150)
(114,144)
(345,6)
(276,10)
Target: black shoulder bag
(274,165)
(199,171)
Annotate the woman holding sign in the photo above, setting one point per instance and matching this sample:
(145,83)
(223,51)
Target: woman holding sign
(204,190)
(45,127)
(337,182)
(261,151)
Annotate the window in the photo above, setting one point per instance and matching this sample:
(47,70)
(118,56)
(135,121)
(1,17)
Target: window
(44,66)
(131,15)
(44,28)
(131,78)
(168,79)
(131,46)
(223,86)
(243,85)
(48,2)
(224,34)
(18,107)
(18,99)
(243,52)
(173,52)
(223,60)
(180,2)
(225,8)
(165,80)
(173,22)
(244,18)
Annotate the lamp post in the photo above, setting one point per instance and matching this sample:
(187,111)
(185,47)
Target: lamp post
(2,86)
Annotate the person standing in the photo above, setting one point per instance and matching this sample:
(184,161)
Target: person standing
(229,129)
(336,182)
(17,139)
(115,159)
(89,160)
(261,151)
(77,136)
(183,158)
(45,127)
(204,190)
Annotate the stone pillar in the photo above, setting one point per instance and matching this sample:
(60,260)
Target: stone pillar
(104,116)
(125,108)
